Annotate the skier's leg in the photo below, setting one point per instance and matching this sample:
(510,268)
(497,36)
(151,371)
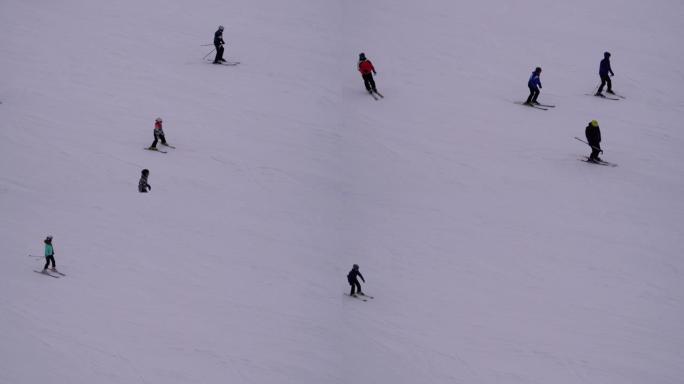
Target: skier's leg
(163,139)
(529,98)
(610,85)
(366,83)
(52,259)
(218,53)
(594,154)
(358,287)
(154,143)
(536,94)
(372,82)
(47,262)
(351,293)
(603,83)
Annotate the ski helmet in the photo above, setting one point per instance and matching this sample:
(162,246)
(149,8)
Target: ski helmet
(48,238)
(606,54)
(158,119)
(146,171)
(355,266)
(362,56)
(594,123)
(220,27)
(537,70)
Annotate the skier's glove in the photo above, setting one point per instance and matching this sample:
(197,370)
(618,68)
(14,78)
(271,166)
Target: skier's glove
(600,150)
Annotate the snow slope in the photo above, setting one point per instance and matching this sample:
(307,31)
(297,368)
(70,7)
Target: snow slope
(493,254)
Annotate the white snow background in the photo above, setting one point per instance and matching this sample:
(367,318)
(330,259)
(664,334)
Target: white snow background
(494,255)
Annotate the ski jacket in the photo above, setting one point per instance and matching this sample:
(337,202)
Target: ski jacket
(142,184)
(366,67)
(49,251)
(218,38)
(351,277)
(158,128)
(534,81)
(593,135)
(604,68)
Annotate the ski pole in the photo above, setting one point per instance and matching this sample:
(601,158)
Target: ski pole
(598,149)
(205,45)
(205,56)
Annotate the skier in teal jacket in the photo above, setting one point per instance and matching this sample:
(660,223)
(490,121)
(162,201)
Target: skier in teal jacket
(49,254)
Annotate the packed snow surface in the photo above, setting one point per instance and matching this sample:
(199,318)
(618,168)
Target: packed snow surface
(493,254)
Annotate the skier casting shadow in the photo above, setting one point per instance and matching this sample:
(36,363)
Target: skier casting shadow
(49,255)
(352,278)
(534,84)
(604,71)
(593,134)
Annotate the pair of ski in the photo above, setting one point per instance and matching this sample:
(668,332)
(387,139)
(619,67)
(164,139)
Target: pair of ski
(361,296)
(543,107)
(227,63)
(159,150)
(373,93)
(599,162)
(614,97)
(46,273)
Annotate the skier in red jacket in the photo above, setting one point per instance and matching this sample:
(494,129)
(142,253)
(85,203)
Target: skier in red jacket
(367,70)
(158,134)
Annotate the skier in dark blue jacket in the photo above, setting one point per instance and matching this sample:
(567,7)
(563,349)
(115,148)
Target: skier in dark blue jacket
(604,71)
(534,84)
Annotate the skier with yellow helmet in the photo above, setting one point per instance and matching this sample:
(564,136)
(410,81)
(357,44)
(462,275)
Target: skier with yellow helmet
(593,134)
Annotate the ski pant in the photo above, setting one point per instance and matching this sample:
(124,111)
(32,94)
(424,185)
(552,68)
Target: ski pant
(595,150)
(219,53)
(158,137)
(605,80)
(48,260)
(534,93)
(354,284)
(369,82)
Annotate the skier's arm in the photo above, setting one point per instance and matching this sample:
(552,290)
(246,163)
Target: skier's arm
(361,276)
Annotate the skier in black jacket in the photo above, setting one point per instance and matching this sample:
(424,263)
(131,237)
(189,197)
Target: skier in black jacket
(353,281)
(143,187)
(218,43)
(593,134)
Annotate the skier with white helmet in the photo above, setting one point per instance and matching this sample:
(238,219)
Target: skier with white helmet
(158,134)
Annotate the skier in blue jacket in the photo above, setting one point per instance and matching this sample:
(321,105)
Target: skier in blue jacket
(604,71)
(49,255)
(534,84)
